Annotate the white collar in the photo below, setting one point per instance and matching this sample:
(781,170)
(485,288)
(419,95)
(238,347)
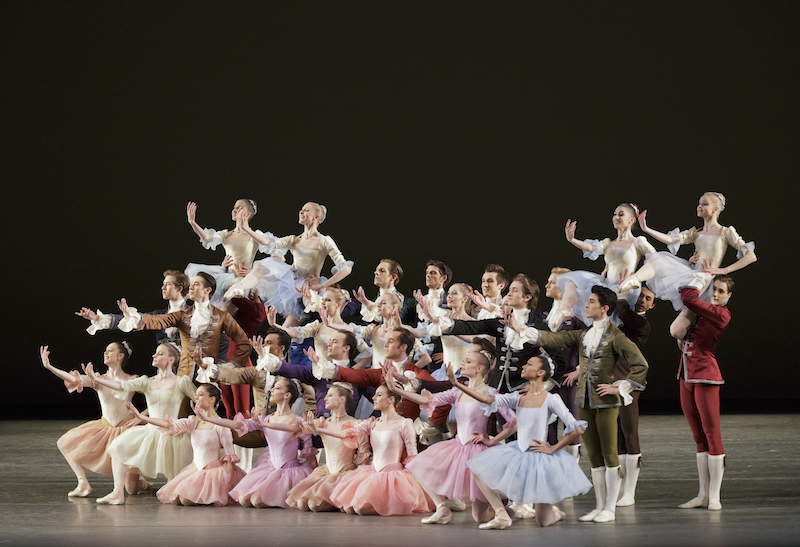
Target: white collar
(600,324)
(202,306)
(522,315)
(345,363)
(176,305)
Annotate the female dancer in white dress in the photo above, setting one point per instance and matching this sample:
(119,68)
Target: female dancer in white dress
(387,311)
(147,448)
(622,256)
(528,470)
(240,248)
(277,282)
(666,273)
(314,492)
(209,478)
(330,307)
(86,446)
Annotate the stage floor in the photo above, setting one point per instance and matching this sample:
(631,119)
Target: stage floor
(760,497)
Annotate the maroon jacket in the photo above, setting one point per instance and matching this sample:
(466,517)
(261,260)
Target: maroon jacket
(698,363)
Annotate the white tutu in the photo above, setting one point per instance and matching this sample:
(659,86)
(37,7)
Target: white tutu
(152,451)
(672,273)
(221,275)
(584,281)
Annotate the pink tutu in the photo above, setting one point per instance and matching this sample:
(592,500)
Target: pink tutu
(314,492)
(87,443)
(442,468)
(392,491)
(272,484)
(206,486)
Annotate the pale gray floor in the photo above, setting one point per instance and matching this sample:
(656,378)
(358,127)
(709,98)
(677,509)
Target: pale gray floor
(761,498)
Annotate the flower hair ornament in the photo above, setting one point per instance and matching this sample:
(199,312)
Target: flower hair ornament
(127,347)
(546,357)
(253,205)
(489,356)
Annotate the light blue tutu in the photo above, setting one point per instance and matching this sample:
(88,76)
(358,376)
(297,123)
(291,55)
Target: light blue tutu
(672,273)
(530,477)
(221,275)
(584,281)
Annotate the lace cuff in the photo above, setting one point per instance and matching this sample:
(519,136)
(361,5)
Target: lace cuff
(233,458)
(370,316)
(268,249)
(443,326)
(339,267)
(208,374)
(323,370)
(529,335)
(132,320)
(102,322)
(700,280)
(312,303)
(269,362)
(673,247)
(597,249)
(583,424)
(216,239)
(743,250)
(625,388)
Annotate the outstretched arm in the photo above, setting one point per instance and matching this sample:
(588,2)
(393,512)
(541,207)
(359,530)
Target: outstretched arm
(655,234)
(44,351)
(191,213)
(394,385)
(147,419)
(261,239)
(477,395)
(569,231)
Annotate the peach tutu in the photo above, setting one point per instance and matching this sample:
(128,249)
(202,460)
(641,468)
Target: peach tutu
(314,492)
(206,486)
(87,444)
(392,491)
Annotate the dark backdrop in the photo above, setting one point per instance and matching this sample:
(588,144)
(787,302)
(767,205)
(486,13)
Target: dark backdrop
(463,134)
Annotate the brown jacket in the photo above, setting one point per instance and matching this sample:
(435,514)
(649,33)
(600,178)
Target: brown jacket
(220,322)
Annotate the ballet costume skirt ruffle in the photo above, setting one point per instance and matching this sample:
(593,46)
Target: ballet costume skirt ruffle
(392,491)
(314,492)
(207,486)
(152,451)
(673,273)
(442,468)
(272,484)
(584,281)
(87,444)
(530,477)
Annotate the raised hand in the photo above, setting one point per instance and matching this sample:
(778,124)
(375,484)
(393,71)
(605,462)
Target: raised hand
(642,218)
(45,353)
(511,322)
(272,316)
(312,355)
(123,306)
(480,300)
(323,315)
(304,289)
(88,369)
(191,212)
(451,375)
(86,313)
(258,345)
(198,412)
(569,229)
(227,262)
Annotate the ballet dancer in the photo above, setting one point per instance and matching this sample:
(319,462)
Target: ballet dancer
(700,379)
(528,470)
(209,478)
(388,274)
(85,447)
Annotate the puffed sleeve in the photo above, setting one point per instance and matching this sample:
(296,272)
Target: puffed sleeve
(643,246)
(226,441)
(309,330)
(501,400)
(599,247)
(736,241)
(508,413)
(305,440)
(556,406)
(140,384)
(186,386)
(684,238)
(266,249)
(180,426)
(287,242)
(246,425)
(409,435)
(449,397)
(364,450)
(364,427)
(336,255)
(216,238)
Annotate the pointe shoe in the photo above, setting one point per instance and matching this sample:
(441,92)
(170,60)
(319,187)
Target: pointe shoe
(456,505)
(560,515)
(694,502)
(630,283)
(605,516)
(516,511)
(112,499)
(142,487)
(441,516)
(234,291)
(83,489)
(496,524)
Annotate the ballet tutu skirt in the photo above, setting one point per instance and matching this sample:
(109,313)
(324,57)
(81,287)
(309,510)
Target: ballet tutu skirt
(207,486)
(272,484)
(392,491)
(87,444)
(584,281)
(279,287)
(442,468)
(221,275)
(530,477)
(152,451)
(673,273)
(314,492)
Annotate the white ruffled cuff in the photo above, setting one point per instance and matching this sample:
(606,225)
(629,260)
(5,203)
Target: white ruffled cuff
(369,315)
(313,302)
(339,267)
(699,280)
(208,374)
(673,247)
(408,386)
(746,248)
(215,239)
(596,251)
(323,370)
(102,322)
(444,326)
(529,335)
(489,314)
(269,362)
(132,320)
(625,388)
(583,424)
(268,249)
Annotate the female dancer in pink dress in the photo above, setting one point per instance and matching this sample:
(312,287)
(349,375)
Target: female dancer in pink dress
(442,468)
(278,282)
(314,492)
(529,470)
(85,446)
(209,478)
(667,273)
(278,468)
(386,487)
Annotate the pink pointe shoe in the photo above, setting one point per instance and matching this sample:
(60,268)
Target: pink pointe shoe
(114,498)
(443,515)
(83,489)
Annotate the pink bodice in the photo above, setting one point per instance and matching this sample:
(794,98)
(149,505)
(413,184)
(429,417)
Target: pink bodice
(388,444)
(206,443)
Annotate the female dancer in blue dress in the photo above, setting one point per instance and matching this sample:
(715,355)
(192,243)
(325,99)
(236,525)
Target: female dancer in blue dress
(528,470)
(278,282)
(622,255)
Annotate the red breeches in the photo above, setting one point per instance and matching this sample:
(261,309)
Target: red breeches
(700,404)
